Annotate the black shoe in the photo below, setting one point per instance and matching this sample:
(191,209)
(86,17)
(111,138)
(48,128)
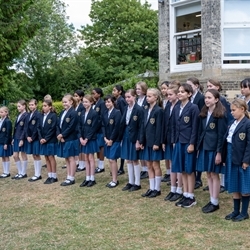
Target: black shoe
(80,169)
(206,188)
(179,203)
(44,166)
(48,181)
(67,182)
(84,183)
(208,204)
(144,175)
(91,183)
(198,184)
(53,180)
(120,172)
(175,197)
(189,202)
(15,177)
(166,178)
(231,216)
(113,184)
(169,196)
(5,175)
(21,176)
(135,188)
(127,187)
(64,166)
(210,208)
(154,194)
(99,170)
(35,178)
(222,189)
(240,217)
(149,191)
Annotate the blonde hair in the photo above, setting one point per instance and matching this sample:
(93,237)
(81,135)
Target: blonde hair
(71,98)
(156,92)
(5,109)
(174,88)
(89,98)
(47,97)
(144,87)
(239,103)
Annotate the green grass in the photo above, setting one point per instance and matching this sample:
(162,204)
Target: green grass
(38,216)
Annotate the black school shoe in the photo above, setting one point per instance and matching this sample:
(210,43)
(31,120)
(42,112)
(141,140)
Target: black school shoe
(135,188)
(80,169)
(179,203)
(149,191)
(99,170)
(231,216)
(67,182)
(144,175)
(240,217)
(210,208)
(84,183)
(5,175)
(21,176)
(35,178)
(53,180)
(127,187)
(169,196)
(120,172)
(166,178)
(175,197)
(91,183)
(48,181)
(154,194)
(198,184)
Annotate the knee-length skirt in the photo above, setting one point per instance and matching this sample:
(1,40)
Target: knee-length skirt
(68,149)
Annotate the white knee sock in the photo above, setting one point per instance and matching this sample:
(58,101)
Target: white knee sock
(131,176)
(137,171)
(157,183)
(19,167)
(24,167)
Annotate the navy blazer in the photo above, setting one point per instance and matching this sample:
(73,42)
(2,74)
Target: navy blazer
(79,109)
(153,126)
(199,100)
(6,132)
(100,108)
(241,143)
(48,131)
(135,125)
(70,126)
(185,126)
(211,135)
(20,127)
(145,104)
(88,128)
(226,104)
(121,104)
(32,125)
(111,125)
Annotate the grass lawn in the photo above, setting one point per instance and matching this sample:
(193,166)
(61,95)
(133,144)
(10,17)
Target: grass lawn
(38,216)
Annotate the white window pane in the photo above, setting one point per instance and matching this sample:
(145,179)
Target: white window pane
(236,42)
(188,9)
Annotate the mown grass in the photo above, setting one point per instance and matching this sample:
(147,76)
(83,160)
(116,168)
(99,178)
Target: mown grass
(38,216)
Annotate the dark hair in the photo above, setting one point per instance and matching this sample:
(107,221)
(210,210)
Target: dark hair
(195,81)
(33,100)
(167,83)
(98,91)
(23,103)
(187,88)
(111,98)
(49,103)
(245,83)
(219,110)
(215,83)
(120,90)
(80,93)
(175,83)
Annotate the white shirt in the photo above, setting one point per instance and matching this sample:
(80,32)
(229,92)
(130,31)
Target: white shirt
(208,117)
(44,118)
(140,100)
(231,131)
(128,114)
(63,115)
(181,108)
(1,122)
(193,96)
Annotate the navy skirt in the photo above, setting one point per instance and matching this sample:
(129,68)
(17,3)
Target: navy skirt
(33,148)
(112,152)
(168,153)
(90,148)
(100,140)
(6,153)
(206,162)
(128,150)
(68,149)
(48,149)
(182,160)
(16,148)
(237,179)
(148,154)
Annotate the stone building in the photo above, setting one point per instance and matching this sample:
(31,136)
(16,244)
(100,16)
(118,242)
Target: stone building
(205,39)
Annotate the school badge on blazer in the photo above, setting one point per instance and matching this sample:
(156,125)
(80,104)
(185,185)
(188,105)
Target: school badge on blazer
(111,121)
(152,120)
(79,113)
(49,121)
(242,136)
(212,125)
(89,121)
(67,120)
(3,129)
(97,109)
(135,117)
(146,107)
(21,123)
(186,119)
(33,122)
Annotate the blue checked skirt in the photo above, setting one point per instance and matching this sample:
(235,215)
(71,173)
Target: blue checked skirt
(148,154)
(206,162)
(182,160)
(33,148)
(68,149)
(168,154)
(112,152)
(16,148)
(48,149)
(128,150)
(6,153)
(237,179)
(100,140)
(90,148)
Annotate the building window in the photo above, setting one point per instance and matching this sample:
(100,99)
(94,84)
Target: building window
(185,33)
(236,31)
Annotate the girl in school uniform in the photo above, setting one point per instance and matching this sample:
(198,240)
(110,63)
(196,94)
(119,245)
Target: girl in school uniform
(19,141)
(48,140)
(118,93)
(5,141)
(131,131)
(111,127)
(67,136)
(212,128)
(88,138)
(152,151)
(175,192)
(184,133)
(33,145)
(245,91)
(238,161)
(100,108)
(141,92)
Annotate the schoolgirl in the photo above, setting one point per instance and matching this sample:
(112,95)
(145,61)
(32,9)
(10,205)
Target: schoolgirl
(111,126)
(5,141)
(88,138)
(19,141)
(48,140)
(100,108)
(238,160)
(198,99)
(212,128)
(33,145)
(78,96)
(67,136)
(152,151)
(141,92)
(167,143)
(131,131)
(118,93)
(184,132)
(245,90)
